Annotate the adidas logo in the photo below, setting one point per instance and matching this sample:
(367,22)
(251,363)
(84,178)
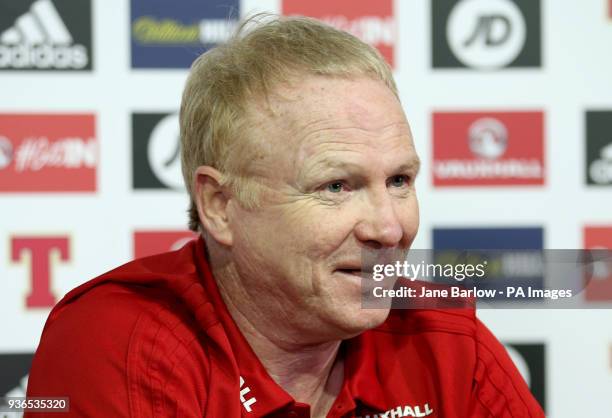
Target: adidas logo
(39,39)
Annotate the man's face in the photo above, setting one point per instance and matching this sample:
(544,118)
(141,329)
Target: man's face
(338,166)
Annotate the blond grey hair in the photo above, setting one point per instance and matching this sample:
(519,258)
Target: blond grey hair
(265,51)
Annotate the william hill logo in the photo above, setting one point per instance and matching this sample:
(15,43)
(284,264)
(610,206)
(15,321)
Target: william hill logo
(45,35)
(149,30)
(173,34)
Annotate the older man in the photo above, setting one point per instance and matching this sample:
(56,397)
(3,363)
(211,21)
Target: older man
(298,159)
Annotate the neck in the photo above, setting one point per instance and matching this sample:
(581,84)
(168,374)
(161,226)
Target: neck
(311,372)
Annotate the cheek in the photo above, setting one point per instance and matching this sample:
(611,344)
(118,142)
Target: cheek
(410,219)
(276,242)
(326,230)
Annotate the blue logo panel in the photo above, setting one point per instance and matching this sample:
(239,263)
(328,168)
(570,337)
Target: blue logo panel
(172,34)
(513,256)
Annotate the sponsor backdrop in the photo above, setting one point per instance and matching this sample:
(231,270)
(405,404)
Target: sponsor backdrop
(509,101)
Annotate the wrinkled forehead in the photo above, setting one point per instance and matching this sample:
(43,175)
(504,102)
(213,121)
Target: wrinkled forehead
(363,102)
(313,118)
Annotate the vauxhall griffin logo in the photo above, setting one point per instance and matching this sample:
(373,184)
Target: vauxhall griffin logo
(491,148)
(486,34)
(45,35)
(488,138)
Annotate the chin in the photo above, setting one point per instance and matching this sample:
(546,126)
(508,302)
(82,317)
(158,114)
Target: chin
(358,320)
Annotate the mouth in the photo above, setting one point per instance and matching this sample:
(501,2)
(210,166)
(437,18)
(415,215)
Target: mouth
(356,272)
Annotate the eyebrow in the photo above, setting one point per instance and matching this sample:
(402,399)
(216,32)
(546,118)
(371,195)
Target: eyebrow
(412,165)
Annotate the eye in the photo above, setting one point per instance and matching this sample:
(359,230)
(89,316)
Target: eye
(399,180)
(335,187)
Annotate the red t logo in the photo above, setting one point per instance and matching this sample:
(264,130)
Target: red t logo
(40,250)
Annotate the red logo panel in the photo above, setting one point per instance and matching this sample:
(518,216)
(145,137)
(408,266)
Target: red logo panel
(599,288)
(371,21)
(48,153)
(39,250)
(488,149)
(154,242)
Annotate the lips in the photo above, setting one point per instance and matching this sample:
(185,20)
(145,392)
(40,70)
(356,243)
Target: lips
(355,272)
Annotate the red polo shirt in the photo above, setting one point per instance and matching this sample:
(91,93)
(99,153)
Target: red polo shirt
(153,338)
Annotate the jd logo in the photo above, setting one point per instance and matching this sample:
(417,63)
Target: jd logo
(486,29)
(486,34)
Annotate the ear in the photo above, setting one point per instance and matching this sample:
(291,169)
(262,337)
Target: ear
(211,199)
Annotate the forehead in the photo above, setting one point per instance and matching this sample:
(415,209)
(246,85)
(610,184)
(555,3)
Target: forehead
(363,102)
(319,115)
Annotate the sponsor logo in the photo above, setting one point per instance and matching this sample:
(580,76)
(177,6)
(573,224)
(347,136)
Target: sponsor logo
(172,35)
(599,147)
(599,276)
(530,361)
(6,152)
(486,34)
(246,402)
(516,265)
(373,22)
(45,35)
(41,253)
(479,149)
(403,411)
(155,242)
(48,153)
(14,369)
(156,152)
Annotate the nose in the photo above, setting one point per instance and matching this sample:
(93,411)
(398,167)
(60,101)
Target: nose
(380,225)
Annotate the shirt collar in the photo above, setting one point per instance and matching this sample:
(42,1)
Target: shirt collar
(361,380)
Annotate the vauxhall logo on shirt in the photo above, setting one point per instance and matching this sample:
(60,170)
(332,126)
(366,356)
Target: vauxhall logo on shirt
(156,153)
(599,148)
(494,148)
(45,35)
(403,411)
(371,21)
(486,34)
(246,399)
